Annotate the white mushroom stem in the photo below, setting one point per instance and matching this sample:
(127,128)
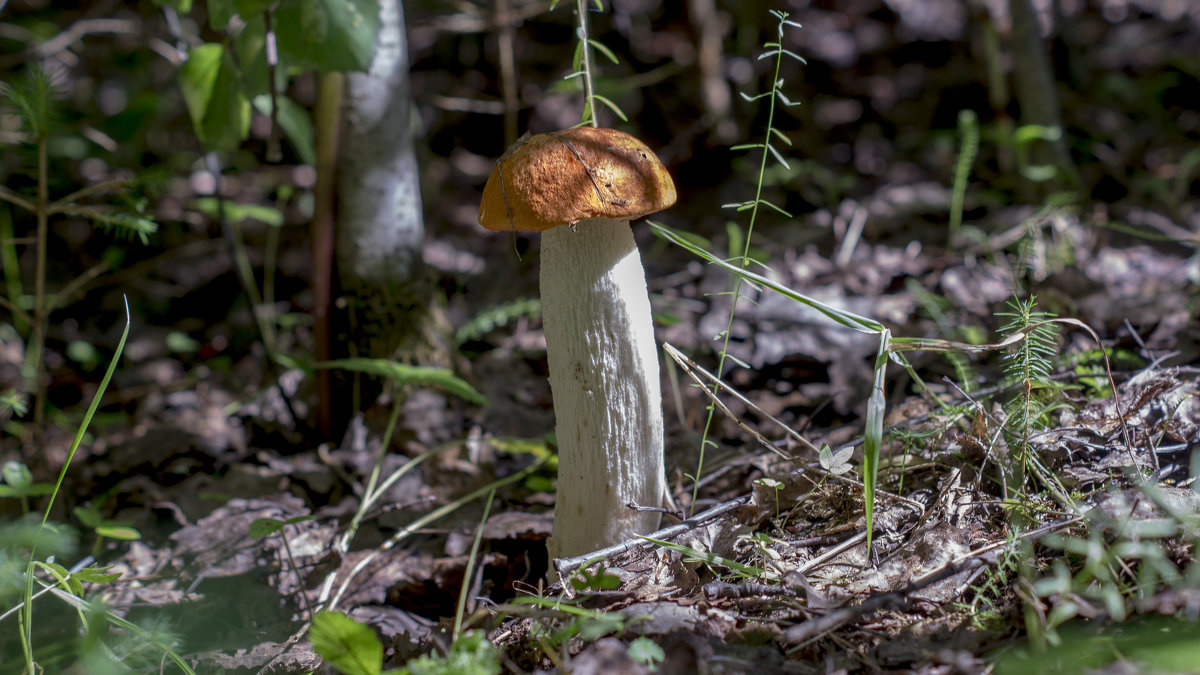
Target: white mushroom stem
(605,382)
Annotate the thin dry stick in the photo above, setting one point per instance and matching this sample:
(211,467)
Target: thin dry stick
(801,633)
(566,565)
(691,368)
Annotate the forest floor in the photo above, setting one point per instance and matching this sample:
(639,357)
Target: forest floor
(1033,512)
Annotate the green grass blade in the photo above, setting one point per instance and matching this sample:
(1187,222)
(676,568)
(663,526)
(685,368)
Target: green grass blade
(873,434)
(27,611)
(401,373)
(839,316)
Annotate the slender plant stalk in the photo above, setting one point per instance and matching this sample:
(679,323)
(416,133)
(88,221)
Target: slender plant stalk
(328,123)
(39,302)
(274,152)
(26,616)
(421,522)
(585,64)
(508,68)
(737,284)
(968,132)
(470,571)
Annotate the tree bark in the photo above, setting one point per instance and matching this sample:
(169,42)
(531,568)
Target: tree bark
(380,231)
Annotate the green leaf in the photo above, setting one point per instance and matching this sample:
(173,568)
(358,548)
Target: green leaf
(179,342)
(264,527)
(577,59)
(181,6)
(404,374)
(327,35)
(692,555)
(346,644)
(251,8)
(592,628)
(96,575)
(17,475)
(645,651)
(873,433)
(238,213)
(84,353)
(212,91)
(471,654)
(250,45)
(120,224)
(296,123)
(848,319)
(836,463)
(611,106)
(777,156)
(603,50)
(600,580)
(219,13)
(89,516)
(35,490)
(122,532)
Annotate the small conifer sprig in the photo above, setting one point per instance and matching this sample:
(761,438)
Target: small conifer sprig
(1028,366)
(34,98)
(968,133)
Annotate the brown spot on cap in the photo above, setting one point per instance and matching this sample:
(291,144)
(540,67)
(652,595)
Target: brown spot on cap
(566,176)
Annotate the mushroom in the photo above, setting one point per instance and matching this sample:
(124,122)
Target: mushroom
(600,345)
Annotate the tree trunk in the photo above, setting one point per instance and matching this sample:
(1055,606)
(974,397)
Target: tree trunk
(380,229)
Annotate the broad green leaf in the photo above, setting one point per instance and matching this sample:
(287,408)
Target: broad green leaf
(346,644)
(35,490)
(96,575)
(645,651)
(17,475)
(250,45)
(213,93)
(89,516)
(405,374)
(327,35)
(219,13)
(251,8)
(296,123)
(197,78)
(263,527)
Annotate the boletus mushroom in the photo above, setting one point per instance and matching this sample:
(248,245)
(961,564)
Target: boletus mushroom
(580,187)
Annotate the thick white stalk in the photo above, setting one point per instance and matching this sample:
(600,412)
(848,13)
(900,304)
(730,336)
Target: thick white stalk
(605,381)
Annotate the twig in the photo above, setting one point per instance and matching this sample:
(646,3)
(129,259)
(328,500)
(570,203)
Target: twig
(15,198)
(565,565)
(81,28)
(691,367)
(803,632)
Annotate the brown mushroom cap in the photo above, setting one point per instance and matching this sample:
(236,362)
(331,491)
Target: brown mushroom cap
(566,176)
